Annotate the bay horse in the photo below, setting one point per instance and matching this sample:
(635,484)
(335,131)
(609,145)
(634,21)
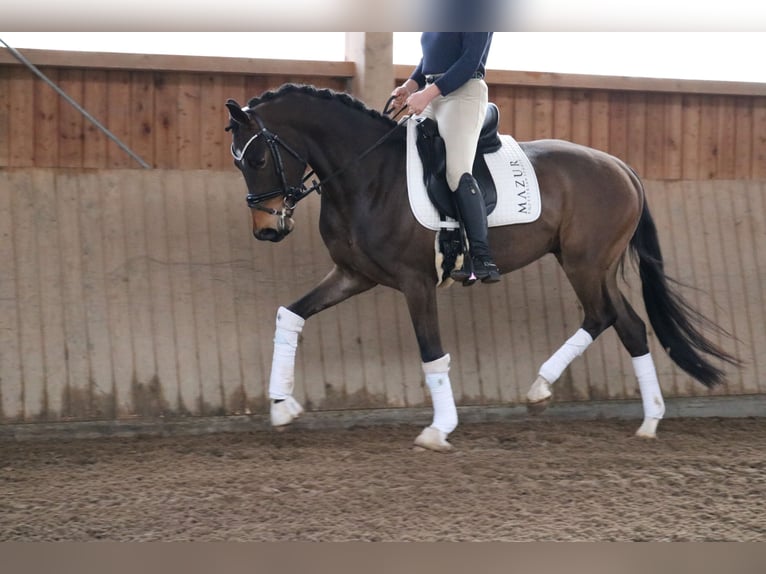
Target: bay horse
(594,212)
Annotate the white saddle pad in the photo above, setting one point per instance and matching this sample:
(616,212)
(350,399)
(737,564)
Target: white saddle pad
(518,195)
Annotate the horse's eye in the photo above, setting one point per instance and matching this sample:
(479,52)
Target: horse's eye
(257,163)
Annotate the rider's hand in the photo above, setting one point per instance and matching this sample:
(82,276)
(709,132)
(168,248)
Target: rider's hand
(418,101)
(401,93)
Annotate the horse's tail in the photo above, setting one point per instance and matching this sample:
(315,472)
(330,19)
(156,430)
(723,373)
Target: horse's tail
(677,325)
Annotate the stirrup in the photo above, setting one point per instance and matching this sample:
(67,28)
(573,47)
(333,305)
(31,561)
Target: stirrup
(464,275)
(487,271)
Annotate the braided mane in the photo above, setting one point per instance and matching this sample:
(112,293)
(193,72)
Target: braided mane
(321,93)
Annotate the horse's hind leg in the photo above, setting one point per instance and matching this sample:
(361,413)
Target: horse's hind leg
(632,332)
(604,306)
(600,314)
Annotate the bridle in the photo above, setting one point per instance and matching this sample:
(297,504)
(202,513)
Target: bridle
(292,194)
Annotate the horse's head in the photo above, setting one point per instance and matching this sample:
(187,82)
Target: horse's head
(258,155)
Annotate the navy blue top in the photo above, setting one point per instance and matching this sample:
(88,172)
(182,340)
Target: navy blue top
(457,55)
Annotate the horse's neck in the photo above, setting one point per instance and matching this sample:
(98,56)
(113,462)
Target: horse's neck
(344,155)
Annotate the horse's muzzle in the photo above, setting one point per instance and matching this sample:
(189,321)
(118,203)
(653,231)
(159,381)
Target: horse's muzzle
(284,226)
(269,234)
(274,227)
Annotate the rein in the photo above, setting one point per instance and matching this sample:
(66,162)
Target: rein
(293,194)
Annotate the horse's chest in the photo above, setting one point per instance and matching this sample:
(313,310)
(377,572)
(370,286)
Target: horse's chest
(348,244)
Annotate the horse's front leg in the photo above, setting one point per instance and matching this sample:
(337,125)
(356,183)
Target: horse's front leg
(421,301)
(337,286)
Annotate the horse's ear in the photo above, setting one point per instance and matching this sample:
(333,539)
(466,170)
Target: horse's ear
(236,113)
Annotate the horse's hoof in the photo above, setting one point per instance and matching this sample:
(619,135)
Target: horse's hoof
(539,407)
(648,428)
(433,439)
(285,411)
(539,396)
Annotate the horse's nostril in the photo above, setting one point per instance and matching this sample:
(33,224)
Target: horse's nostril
(268,234)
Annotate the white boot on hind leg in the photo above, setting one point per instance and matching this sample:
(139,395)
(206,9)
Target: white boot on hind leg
(285,411)
(539,394)
(651,395)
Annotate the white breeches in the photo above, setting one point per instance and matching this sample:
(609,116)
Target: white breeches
(460,115)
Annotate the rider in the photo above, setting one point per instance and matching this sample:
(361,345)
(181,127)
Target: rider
(448,87)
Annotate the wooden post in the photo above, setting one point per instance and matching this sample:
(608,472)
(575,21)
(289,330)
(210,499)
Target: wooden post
(372,52)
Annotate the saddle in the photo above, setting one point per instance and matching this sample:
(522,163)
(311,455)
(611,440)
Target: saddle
(432,154)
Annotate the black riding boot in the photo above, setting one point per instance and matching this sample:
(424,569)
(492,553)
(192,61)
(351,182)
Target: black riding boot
(473,213)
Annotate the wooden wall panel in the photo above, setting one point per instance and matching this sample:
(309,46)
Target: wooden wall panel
(167,120)
(759,139)
(523,114)
(708,155)
(562,115)
(79,390)
(45,126)
(143,127)
(671,145)
(618,124)
(71,123)
(94,271)
(95,99)
(544,118)
(600,121)
(189,111)
(11,378)
(52,306)
(636,150)
(656,147)
(503,99)
(179,262)
(212,120)
(119,120)
(161,269)
(24,202)
(116,278)
(5,116)
(175,118)
(754,215)
(233,398)
(581,117)
(691,137)
(727,136)
(202,297)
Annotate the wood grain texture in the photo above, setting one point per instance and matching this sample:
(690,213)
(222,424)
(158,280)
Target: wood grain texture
(173,118)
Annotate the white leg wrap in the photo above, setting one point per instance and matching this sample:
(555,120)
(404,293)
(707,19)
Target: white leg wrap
(282,381)
(569,351)
(651,395)
(437,379)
